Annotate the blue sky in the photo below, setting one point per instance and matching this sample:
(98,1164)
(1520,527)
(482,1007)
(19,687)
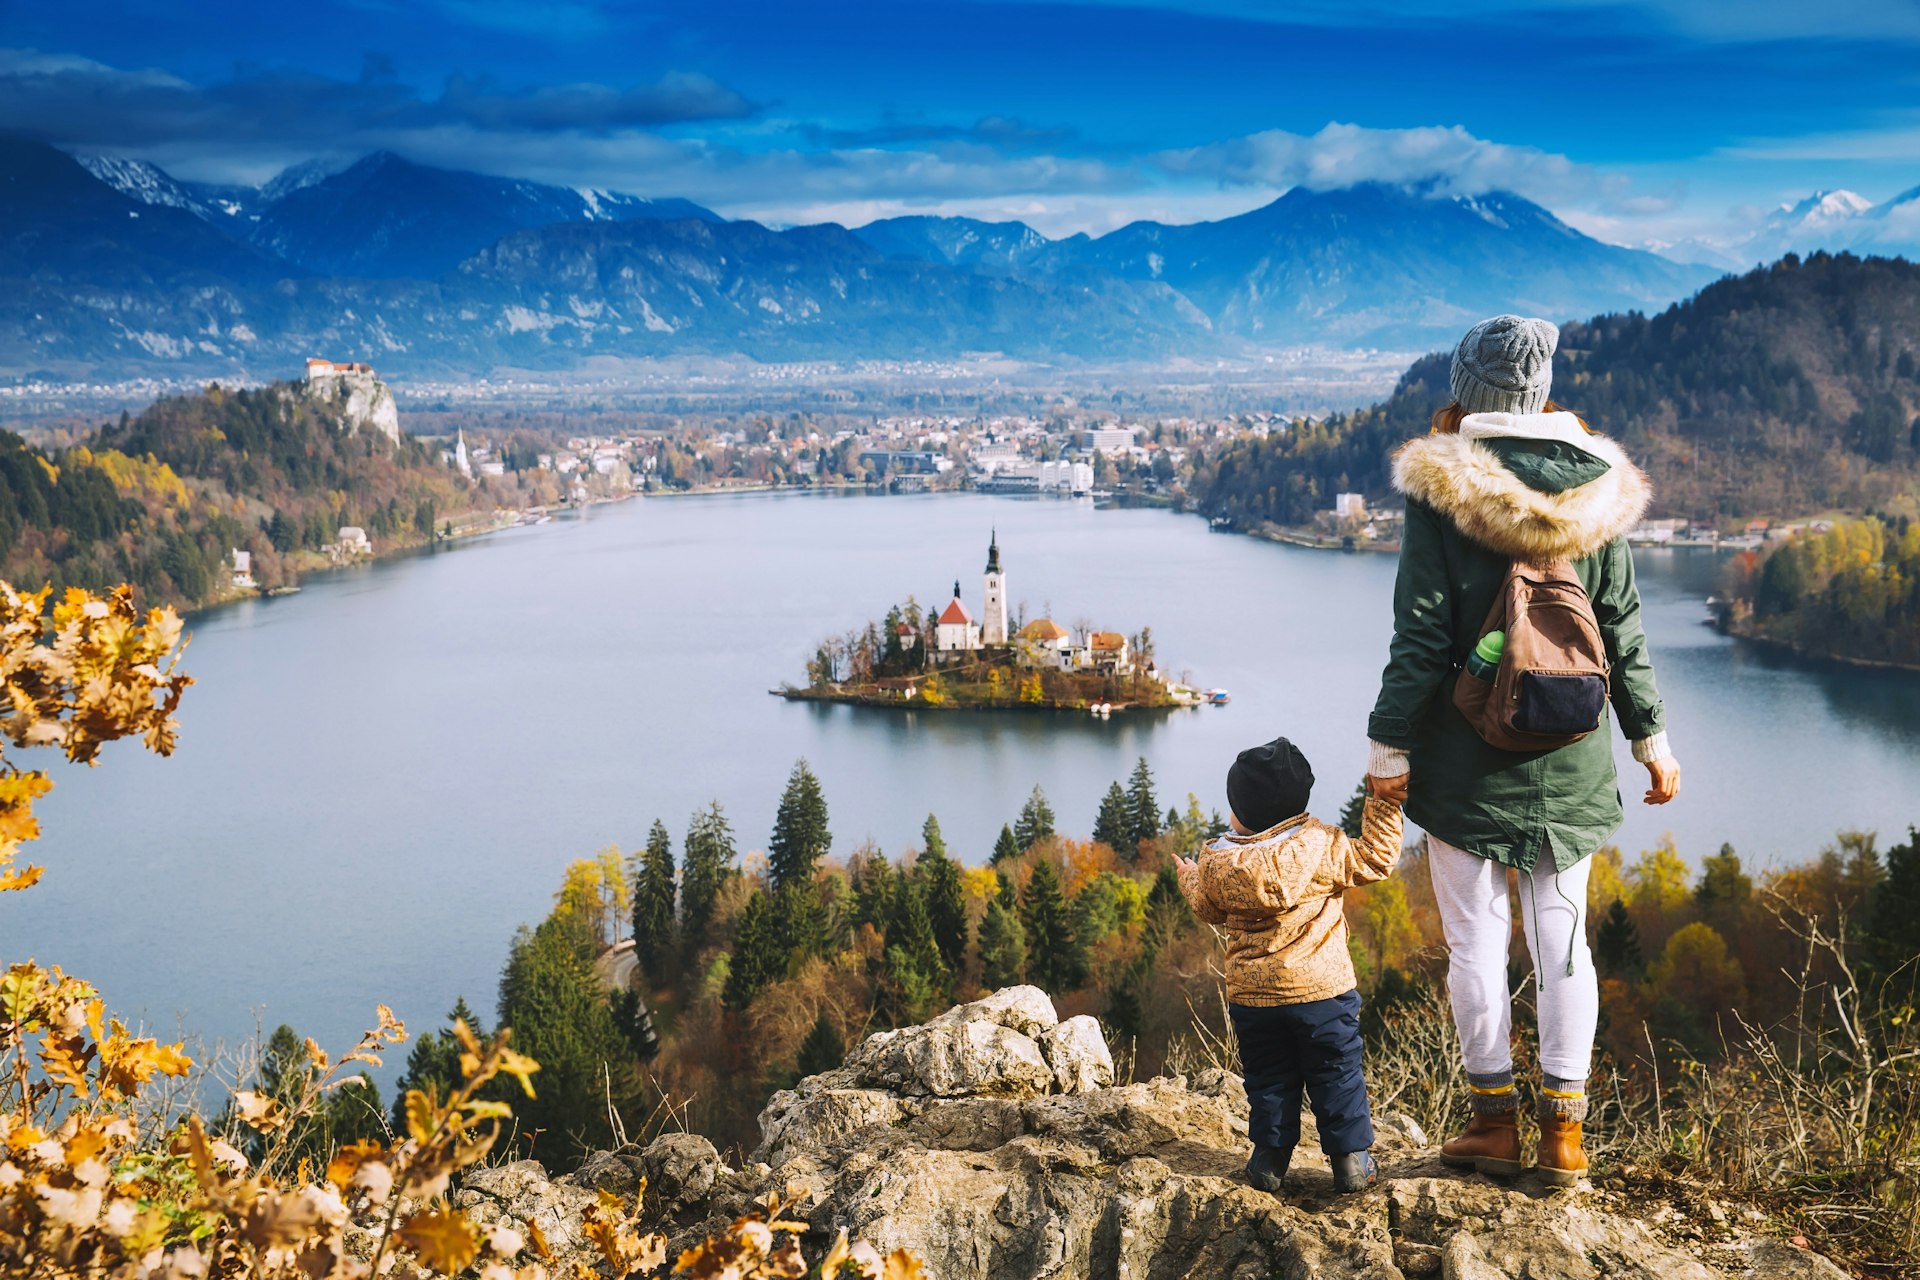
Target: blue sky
(1637,122)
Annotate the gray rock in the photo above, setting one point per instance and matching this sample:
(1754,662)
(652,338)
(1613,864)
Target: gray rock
(1077,1052)
(680,1169)
(1027,1010)
(954,1059)
(518,1193)
(1767,1259)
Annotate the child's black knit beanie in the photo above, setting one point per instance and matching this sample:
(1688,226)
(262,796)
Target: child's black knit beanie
(1269,784)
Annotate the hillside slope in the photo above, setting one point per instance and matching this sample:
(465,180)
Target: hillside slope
(1791,389)
(162,499)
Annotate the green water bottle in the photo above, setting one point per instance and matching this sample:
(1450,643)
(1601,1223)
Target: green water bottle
(1485,658)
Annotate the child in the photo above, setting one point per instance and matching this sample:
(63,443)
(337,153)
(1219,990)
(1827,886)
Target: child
(1276,883)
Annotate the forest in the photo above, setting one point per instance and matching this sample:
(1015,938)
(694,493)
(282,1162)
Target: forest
(1848,589)
(1790,390)
(162,499)
(1757,1029)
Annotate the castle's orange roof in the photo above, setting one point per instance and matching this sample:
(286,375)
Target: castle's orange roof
(1044,630)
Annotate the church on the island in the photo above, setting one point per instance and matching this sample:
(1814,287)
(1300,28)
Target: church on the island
(957,637)
(955,631)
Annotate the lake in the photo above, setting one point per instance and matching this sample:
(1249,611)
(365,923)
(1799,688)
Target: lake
(380,777)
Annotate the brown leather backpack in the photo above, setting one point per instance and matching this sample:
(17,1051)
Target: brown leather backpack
(1550,688)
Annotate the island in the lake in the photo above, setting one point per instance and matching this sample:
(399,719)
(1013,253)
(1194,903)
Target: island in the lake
(947,661)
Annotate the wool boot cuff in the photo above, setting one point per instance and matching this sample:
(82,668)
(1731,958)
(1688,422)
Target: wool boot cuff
(1491,1093)
(1564,1098)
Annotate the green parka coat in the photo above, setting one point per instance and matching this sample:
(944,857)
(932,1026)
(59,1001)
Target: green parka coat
(1511,486)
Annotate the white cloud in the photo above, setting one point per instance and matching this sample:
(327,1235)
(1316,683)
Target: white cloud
(1455,161)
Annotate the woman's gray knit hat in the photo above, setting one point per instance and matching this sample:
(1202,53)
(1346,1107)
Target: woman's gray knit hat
(1505,365)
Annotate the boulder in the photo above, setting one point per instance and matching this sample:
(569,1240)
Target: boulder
(1027,1010)
(954,1059)
(514,1194)
(1077,1052)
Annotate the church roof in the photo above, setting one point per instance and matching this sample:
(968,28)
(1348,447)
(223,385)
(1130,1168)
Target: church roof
(955,612)
(1044,630)
(993,552)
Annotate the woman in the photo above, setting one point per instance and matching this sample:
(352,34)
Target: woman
(1508,476)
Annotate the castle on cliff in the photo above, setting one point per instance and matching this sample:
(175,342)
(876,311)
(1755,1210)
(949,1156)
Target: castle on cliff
(353,388)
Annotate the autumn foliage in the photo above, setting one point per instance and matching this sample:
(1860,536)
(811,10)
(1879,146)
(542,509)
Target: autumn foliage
(93,1185)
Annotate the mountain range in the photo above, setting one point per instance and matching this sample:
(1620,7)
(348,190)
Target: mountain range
(1831,221)
(115,268)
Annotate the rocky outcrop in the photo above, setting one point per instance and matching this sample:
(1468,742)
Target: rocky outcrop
(991,1142)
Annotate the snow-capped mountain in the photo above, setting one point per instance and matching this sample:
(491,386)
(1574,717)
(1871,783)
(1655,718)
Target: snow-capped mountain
(1833,221)
(147,183)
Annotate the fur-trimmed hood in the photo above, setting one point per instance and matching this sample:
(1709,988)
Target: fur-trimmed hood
(1465,479)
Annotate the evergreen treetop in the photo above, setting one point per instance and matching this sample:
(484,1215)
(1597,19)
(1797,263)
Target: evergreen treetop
(800,834)
(1035,822)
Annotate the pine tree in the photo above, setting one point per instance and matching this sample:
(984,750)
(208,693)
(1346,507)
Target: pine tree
(709,863)
(559,1016)
(800,927)
(756,958)
(919,977)
(1005,895)
(1006,846)
(1168,911)
(653,903)
(1112,826)
(433,1064)
(1724,891)
(946,901)
(1355,810)
(800,835)
(1055,960)
(1616,945)
(1143,809)
(823,1049)
(1035,822)
(930,837)
(1003,948)
(874,887)
(1895,907)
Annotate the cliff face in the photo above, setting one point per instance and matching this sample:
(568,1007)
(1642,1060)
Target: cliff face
(363,400)
(992,1143)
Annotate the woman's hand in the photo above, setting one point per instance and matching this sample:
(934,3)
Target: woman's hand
(1665,776)
(1185,864)
(1392,790)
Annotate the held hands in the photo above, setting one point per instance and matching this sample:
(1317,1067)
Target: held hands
(1665,778)
(1391,790)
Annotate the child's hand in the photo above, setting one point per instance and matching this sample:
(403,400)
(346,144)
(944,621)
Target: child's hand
(1391,790)
(1187,871)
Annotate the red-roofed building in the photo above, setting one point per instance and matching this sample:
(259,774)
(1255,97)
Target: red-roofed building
(956,631)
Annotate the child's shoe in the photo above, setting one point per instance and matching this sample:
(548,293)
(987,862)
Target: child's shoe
(1268,1166)
(1355,1171)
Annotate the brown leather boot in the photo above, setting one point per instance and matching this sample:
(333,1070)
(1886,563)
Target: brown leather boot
(1562,1161)
(1490,1144)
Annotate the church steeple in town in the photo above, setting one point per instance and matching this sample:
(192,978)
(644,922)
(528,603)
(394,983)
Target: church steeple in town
(993,610)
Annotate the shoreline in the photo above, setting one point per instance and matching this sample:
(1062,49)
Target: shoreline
(882,702)
(1819,657)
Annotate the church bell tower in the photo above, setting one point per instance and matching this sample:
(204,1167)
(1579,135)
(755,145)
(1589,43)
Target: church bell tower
(993,618)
